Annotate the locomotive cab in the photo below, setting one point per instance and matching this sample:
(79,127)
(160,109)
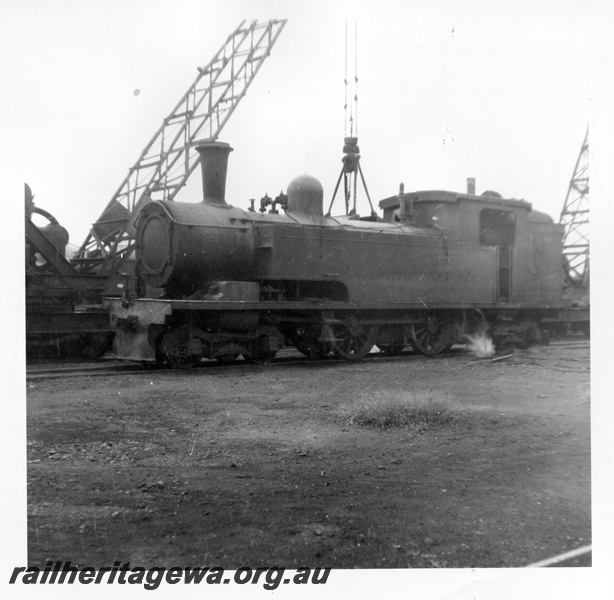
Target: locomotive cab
(517,238)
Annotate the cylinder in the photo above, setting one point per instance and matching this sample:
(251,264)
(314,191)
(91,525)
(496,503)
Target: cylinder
(471,185)
(214,165)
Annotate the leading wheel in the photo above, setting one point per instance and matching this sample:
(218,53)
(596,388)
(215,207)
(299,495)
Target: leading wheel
(179,349)
(259,352)
(430,337)
(307,339)
(350,339)
(182,361)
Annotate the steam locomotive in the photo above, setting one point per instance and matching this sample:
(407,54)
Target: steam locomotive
(216,281)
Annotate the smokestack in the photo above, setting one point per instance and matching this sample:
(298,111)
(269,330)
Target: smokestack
(471,185)
(214,165)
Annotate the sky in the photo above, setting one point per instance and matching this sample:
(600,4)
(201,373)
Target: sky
(448,89)
(494,90)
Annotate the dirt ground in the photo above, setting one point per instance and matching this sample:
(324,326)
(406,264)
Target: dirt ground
(255,466)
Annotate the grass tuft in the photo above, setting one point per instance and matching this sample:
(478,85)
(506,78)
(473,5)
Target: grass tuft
(417,410)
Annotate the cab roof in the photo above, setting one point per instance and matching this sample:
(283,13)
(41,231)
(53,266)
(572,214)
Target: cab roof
(440,196)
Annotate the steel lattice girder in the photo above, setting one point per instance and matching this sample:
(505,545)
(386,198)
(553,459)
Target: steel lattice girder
(169,158)
(575,218)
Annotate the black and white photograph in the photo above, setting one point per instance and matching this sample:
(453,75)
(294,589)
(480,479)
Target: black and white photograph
(304,303)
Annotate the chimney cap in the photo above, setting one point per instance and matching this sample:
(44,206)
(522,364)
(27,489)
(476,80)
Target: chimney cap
(206,144)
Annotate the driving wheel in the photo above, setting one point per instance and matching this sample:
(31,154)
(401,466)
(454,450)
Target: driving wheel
(350,338)
(430,337)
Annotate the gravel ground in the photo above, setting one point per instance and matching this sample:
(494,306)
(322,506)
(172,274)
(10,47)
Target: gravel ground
(249,465)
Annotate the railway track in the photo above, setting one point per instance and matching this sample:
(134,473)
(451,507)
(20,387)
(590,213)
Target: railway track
(287,357)
(73,370)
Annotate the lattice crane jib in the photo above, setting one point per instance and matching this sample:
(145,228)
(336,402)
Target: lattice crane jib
(575,218)
(170,157)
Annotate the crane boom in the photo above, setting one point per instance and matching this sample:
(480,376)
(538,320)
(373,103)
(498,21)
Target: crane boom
(167,161)
(575,218)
